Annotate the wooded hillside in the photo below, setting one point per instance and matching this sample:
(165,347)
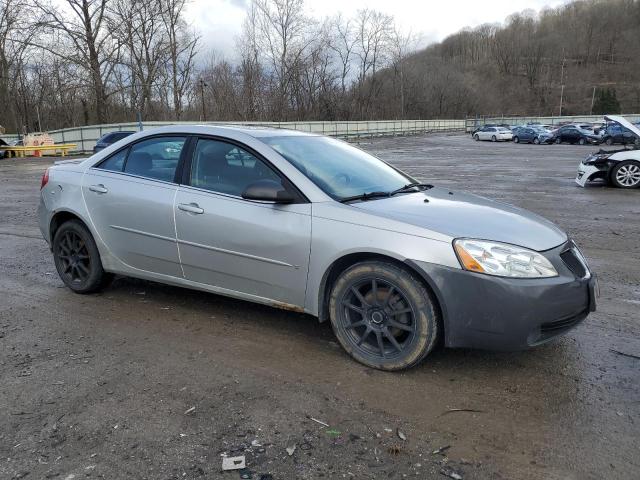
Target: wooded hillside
(65,63)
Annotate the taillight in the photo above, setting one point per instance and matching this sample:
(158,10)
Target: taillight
(45,179)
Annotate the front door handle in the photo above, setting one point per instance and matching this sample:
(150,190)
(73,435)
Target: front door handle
(191,208)
(98,188)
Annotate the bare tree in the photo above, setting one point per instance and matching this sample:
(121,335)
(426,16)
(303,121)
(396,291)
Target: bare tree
(183,47)
(81,35)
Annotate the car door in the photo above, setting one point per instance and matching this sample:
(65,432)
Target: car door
(486,133)
(251,248)
(129,197)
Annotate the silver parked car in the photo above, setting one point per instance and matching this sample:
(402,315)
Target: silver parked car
(495,134)
(313,224)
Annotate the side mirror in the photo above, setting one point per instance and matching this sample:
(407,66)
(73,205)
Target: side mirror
(268,191)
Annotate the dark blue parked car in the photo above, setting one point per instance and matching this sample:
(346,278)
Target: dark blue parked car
(531,134)
(110,138)
(618,134)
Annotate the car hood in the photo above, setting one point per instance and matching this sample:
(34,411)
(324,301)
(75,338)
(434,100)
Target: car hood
(459,215)
(623,122)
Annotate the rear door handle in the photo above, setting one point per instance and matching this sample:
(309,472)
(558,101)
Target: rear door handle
(98,188)
(191,208)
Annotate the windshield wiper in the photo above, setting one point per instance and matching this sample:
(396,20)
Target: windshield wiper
(409,186)
(365,196)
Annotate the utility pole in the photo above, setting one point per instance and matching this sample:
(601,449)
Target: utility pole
(202,85)
(564,59)
(593,99)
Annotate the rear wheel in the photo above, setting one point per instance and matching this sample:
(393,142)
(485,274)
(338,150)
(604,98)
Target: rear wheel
(383,316)
(626,174)
(493,138)
(77,258)
(536,141)
(609,141)
(582,141)
(558,141)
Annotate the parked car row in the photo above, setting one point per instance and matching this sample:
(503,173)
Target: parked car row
(574,133)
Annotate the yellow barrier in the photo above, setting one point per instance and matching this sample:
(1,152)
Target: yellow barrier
(15,151)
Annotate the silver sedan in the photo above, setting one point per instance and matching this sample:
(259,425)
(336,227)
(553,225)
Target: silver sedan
(312,224)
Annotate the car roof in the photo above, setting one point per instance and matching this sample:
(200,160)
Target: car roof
(256,131)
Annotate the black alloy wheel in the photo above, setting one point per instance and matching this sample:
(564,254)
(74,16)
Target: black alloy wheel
(77,258)
(383,316)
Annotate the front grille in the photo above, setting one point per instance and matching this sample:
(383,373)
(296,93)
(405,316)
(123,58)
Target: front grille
(573,261)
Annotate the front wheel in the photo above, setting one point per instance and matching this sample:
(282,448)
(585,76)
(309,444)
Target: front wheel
(493,138)
(516,140)
(558,141)
(609,141)
(77,258)
(626,174)
(383,316)
(582,141)
(536,141)
(476,137)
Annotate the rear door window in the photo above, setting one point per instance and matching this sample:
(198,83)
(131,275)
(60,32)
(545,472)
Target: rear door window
(156,158)
(115,162)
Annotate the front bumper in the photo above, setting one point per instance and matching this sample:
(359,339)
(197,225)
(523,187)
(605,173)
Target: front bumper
(587,173)
(497,313)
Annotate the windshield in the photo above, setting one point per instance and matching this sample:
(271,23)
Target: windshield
(336,167)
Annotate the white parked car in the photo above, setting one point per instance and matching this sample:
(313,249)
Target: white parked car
(620,168)
(495,134)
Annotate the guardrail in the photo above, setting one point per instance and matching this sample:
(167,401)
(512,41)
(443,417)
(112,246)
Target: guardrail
(86,137)
(473,123)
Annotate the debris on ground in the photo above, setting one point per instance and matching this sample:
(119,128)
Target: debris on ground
(245,473)
(233,463)
(401,434)
(291,450)
(190,410)
(630,355)
(394,450)
(318,421)
(441,450)
(455,410)
(451,474)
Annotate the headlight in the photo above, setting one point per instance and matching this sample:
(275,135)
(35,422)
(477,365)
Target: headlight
(596,158)
(502,259)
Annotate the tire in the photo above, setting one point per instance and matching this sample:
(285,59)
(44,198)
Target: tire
(516,140)
(493,138)
(626,174)
(582,141)
(536,141)
(609,141)
(476,137)
(383,316)
(77,258)
(558,141)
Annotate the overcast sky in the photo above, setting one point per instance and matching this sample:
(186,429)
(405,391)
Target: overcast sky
(219,21)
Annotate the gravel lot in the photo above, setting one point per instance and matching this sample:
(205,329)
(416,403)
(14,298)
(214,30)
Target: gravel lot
(98,386)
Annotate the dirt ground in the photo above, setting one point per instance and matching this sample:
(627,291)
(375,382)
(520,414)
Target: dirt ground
(150,381)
